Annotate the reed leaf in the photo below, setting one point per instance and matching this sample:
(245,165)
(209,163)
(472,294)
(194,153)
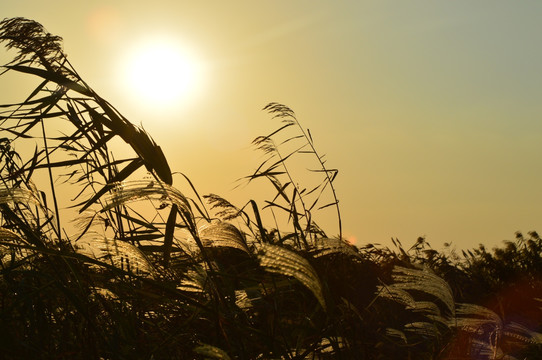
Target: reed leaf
(484,350)
(8,236)
(325,247)
(223,235)
(425,307)
(53,77)
(242,300)
(136,190)
(422,328)
(196,281)
(279,260)
(397,334)
(425,281)
(13,250)
(473,318)
(396,294)
(119,254)
(169,233)
(211,352)
(522,333)
(18,195)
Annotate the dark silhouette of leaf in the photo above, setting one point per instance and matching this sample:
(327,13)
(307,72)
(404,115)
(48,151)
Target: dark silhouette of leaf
(168,237)
(122,175)
(54,77)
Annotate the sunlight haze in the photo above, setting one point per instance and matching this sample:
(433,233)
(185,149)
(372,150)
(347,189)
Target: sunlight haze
(429,109)
(160,73)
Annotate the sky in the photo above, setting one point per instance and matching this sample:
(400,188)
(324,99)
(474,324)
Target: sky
(429,109)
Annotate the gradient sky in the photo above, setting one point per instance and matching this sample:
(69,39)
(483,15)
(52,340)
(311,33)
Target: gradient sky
(430,109)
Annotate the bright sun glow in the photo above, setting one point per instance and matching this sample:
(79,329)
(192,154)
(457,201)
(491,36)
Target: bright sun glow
(159,73)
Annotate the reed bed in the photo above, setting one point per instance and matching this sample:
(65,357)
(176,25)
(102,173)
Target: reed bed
(156,271)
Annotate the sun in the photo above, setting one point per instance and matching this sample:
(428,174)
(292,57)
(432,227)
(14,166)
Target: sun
(160,72)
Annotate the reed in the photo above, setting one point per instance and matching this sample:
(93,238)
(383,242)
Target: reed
(154,271)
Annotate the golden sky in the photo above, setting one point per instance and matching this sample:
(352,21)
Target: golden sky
(429,109)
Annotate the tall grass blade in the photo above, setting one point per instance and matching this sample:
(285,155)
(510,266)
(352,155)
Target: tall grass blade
(279,260)
(211,352)
(427,282)
(223,235)
(121,176)
(117,253)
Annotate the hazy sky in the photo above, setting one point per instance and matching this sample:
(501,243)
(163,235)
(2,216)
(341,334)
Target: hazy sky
(430,109)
